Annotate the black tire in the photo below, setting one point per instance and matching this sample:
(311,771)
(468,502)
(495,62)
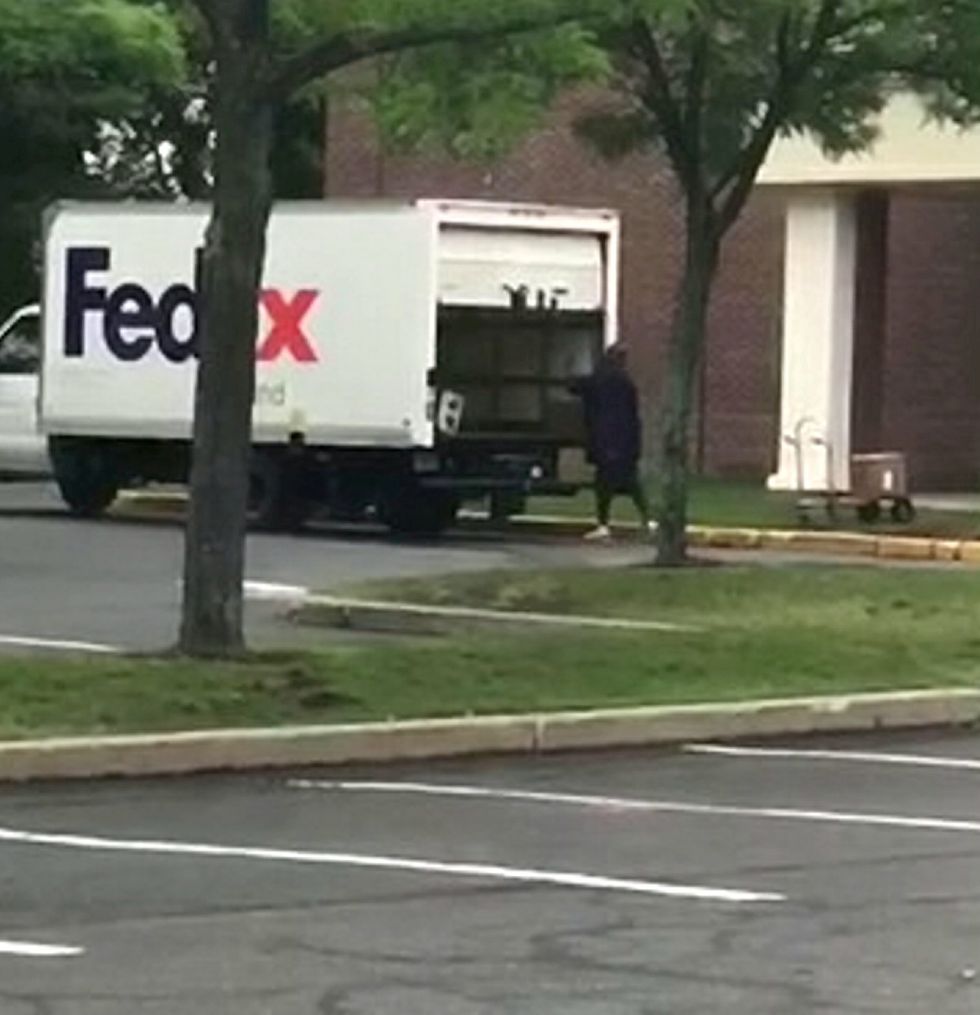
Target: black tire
(903,511)
(87,476)
(408,510)
(869,513)
(505,504)
(350,498)
(275,495)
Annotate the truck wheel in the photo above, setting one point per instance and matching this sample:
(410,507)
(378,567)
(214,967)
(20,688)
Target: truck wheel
(349,498)
(410,511)
(275,500)
(505,504)
(86,477)
(903,511)
(264,493)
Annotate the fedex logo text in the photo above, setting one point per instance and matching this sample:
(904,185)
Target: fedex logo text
(133,320)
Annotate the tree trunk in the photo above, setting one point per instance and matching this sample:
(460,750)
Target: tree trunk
(234,254)
(686,349)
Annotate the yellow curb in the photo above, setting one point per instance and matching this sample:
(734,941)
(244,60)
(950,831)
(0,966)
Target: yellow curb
(776,539)
(726,539)
(970,552)
(849,544)
(949,550)
(900,548)
(172,504)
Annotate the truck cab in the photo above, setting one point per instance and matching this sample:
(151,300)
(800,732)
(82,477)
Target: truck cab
(23,449)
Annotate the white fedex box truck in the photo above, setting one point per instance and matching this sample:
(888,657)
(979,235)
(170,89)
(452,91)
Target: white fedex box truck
(409,357)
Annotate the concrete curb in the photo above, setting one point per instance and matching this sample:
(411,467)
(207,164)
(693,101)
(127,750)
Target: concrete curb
(413,618)
(173,504)
(839,714)
(252,750)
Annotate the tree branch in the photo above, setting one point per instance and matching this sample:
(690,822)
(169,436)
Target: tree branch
(660,98)
(790,73)
(208,11)
(865,17)
(763,135)
(696,81)
(823,26)
(346,48)
(751,160)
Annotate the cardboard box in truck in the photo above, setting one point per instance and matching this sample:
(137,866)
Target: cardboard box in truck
(408,356)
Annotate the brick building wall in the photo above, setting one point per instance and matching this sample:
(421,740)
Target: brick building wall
(917,360)
(741,375)
(932,357)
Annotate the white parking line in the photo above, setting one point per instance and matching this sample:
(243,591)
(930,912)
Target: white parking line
(491,872)
(55,645)
(256,591)
(31,950)
(862,757)
(273,592)
(650,806)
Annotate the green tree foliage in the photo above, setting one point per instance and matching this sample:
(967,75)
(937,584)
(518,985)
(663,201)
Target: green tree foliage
(66,68)
(474,101)
(164,148)
(110,97)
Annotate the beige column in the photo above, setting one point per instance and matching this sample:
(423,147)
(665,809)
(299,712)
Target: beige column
(818,341)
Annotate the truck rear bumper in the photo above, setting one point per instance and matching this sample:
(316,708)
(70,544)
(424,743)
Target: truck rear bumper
(475,486)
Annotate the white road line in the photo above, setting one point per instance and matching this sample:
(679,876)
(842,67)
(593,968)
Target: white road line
(863,757)
(31,950)
(464,870)
(55,645)
(650,806)
(260,591)
(269,592)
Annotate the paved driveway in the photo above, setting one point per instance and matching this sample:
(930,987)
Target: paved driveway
(841,881)
(116,582)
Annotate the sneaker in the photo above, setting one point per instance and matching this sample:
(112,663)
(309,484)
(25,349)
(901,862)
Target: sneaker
(601,534)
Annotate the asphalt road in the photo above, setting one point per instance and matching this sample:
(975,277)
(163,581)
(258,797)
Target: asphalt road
(665,883)
(757,885)
(116,581)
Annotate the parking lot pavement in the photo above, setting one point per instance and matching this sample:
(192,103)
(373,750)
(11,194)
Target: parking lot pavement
(115,582)
(771,881)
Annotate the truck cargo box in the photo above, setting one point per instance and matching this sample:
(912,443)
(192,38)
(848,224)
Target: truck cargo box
(445,326)
(362,307)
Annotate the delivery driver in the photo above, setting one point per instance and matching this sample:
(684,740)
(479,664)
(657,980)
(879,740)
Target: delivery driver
(612,423)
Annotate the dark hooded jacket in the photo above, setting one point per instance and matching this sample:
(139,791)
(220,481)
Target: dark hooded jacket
(612,416)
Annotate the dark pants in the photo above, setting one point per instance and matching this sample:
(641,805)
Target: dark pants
(614,478)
